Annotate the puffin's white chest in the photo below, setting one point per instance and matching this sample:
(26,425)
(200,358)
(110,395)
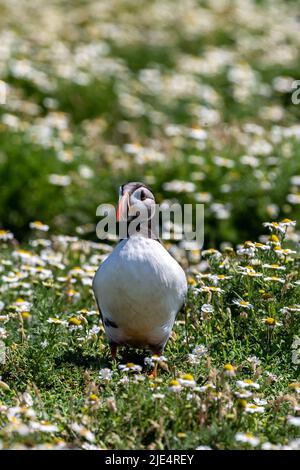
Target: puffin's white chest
(139,288)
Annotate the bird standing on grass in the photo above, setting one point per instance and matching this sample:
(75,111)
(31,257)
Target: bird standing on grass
(140,287)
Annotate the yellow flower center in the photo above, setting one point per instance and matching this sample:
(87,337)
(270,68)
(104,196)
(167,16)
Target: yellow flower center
(25,315)
(188,377)
(270,321)
(74,321)
(174,383)
(274,238)
(294,385)
(243,403)
(55,320)
(93,397)
(248,243)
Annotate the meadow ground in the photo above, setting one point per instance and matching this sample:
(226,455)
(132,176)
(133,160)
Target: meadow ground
(198,102)
(228,378)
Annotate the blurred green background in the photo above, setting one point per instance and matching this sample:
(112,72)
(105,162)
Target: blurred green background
(192,97)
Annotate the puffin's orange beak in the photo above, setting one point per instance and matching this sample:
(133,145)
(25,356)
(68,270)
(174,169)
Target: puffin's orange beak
(122,206)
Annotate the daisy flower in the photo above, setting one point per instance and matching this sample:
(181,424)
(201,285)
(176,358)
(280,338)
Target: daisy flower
(254,360)
(37,225)
(43,427)
(229,370)
(249,271)
(244,394)
(243,303)
(247,438)
(287,223)
(295,386)
(286,251)
(73,294)
(200,350)
(270,322)
(6,235)
(262,246)
(21,305)
(274,266)
(187,380)
(260,401)
(274,227)
(158,396)
(211,289)
(175,385)
(150,361)
(212,252)
(3,334)
(247,383)
(208,386)
(252,408)
(56,321)
(293,308)
(294,421)
(75,322)
(130,367)
(274,279)
(207,308)
(82,431)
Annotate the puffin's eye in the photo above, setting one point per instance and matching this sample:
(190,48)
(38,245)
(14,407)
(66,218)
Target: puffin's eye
(143,195)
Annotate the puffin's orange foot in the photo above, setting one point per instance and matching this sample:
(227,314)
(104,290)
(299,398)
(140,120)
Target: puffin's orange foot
(153,373)
(113,351)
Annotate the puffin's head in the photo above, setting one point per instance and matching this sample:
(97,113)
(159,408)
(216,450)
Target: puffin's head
(135,198)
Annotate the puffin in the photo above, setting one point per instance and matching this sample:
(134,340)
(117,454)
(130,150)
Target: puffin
(139,288)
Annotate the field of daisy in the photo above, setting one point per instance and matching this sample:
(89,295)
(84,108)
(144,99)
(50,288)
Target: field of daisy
(199,100)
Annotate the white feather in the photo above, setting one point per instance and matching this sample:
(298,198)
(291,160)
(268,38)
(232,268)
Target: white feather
(140,288)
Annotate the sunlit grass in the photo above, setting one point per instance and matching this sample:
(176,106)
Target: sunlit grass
(194,99)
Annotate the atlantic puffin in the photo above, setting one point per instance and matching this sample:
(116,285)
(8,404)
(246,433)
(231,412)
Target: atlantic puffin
(139,288)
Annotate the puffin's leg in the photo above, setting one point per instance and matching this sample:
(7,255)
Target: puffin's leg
(153,373)
(113,350)
(156,352)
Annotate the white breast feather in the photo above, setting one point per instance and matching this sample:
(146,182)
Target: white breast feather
(141,288)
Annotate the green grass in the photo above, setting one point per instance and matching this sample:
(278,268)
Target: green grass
(58,364)
(101,93)
(101,90)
